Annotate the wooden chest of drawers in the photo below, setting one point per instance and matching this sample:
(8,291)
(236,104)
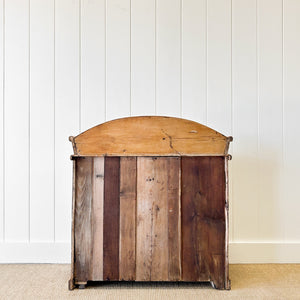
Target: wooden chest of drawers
(150,202)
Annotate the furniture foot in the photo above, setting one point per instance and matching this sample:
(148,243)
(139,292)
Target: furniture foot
(71,285)
(218,286)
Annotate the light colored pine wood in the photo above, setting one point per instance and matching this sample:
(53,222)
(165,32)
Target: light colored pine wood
(97,219)
(127,218)
(144,219)
(150,136)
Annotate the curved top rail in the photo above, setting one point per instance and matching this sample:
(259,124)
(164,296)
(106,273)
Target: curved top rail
(150,136)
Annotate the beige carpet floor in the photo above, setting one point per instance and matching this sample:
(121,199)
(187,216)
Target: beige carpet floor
(37,281)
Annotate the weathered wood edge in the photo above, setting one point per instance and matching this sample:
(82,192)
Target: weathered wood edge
(74,156)
(71,281)
(227,280)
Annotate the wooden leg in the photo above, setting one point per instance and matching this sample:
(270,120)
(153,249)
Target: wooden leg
(216,285)
(71,285)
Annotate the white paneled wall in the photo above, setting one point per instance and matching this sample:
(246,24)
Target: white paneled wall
(67,65)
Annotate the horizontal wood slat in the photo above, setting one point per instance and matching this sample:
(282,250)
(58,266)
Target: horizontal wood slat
(150,136)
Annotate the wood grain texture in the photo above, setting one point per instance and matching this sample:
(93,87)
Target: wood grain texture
(127,218)
(97,219)
(71,281)
(203,219)
(174,218)
(157,256)
(83,207)
(150,136)
(111,218)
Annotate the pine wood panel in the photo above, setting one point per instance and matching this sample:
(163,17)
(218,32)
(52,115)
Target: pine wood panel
(156,196)
(203,219)
(150,136)
(111,219)
(174,218)
(83,207)
(97,219)
(127,217)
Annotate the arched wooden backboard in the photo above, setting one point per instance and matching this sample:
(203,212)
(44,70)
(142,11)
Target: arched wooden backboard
(150,136)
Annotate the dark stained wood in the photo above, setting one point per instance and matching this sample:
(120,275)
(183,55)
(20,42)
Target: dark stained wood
(97,219)
(127,218)
(71,281)
(83,230)
(111,218)
(150,136)
(174,218)
(203,219)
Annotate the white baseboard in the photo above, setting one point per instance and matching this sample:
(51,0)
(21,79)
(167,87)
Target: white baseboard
(239,252)
(35,252)
(263,252)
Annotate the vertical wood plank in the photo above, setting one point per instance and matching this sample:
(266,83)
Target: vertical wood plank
(245,120)
(143,57)
(117,59)
(127,218)
(92,63)
(41,116)
(270,119)
(219,65)
(111,218)
(2,120)
(66,108)
(158,223)
(83,218)
(174,218)
(97,219)
(152,225)
(16,126)
(203,219)
(291,110)
(194,60)
(145,172)
(159,214)
(168,57)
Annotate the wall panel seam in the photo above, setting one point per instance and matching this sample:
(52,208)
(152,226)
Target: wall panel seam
(3,136)
(29,118)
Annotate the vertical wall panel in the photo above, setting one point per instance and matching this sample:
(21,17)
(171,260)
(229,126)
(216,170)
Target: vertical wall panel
(219,65)
(270,118)
(143,57)
(194,60)
(92,63)
(245,120)
(2,120)
(66,108)
(117,59)
(16,120)
(168,57)
(291,118)
(41,120)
